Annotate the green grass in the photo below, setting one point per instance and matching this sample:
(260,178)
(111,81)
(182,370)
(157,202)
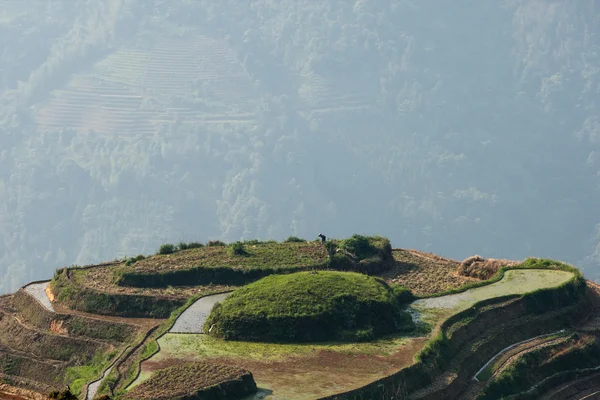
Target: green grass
(243,262)
(514,281)
(310,306)
(151,347)
(438,351)
(497,362)
(79,376)
(263,255)
(574,353)
(205,346)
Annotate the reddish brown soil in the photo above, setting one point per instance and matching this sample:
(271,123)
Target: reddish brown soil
(6,396)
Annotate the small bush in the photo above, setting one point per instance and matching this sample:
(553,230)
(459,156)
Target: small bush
(213,243)
(237,249)
(253,242)
(402,294)
(64,395)
(190,245)
(133,260)
(294,239)
(167,249)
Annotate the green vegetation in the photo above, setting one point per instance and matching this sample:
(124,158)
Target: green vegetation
(513,282)
(207,346)
(498,361)
(216,243)
(133,260)
(75,296)
(294,239)
(64,395)
(79,376)
(237,249)
(366,254)
(151,346)
(243,262)
(167,248)
(578,352)
(307,306)
(222,265)
(438,351)
(198,380)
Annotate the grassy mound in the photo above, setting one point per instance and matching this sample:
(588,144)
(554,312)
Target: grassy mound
(198,380)
(311,306)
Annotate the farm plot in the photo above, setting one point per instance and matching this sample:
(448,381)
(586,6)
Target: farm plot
(135,90)
(516,281)
(424,273)
(319,96)
(195,380)
(290,370)
(306,371)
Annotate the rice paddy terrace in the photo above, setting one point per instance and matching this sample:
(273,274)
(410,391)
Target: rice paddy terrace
(124,328)
(131,91)
(148,84)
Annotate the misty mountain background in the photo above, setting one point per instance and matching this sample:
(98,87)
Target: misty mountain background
(460,128)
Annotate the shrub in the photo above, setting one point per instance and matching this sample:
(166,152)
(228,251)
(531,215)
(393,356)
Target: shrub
(64,395)
(402,294)
(212,243)
(364,247)
(253,242)
(294,239)
(167,249)
(133,260)
(190,245)
(237,249)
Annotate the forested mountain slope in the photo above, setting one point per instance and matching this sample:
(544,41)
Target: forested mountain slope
(456,127)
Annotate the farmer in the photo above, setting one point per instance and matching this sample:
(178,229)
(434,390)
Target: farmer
(323,237)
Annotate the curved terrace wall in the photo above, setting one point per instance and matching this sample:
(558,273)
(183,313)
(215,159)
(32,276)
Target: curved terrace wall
(73,325)
(117,304)
(458,330)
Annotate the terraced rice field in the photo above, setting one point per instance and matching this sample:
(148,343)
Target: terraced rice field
(131,91)
(192,320)
(515,281)
(319,96)
(424,273)
(309,371)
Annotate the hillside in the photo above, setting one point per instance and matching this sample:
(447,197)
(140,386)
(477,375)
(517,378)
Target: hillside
(456,128)
(457,334)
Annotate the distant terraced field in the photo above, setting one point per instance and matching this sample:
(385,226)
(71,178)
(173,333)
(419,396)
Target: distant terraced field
(136,91)
(320,96)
